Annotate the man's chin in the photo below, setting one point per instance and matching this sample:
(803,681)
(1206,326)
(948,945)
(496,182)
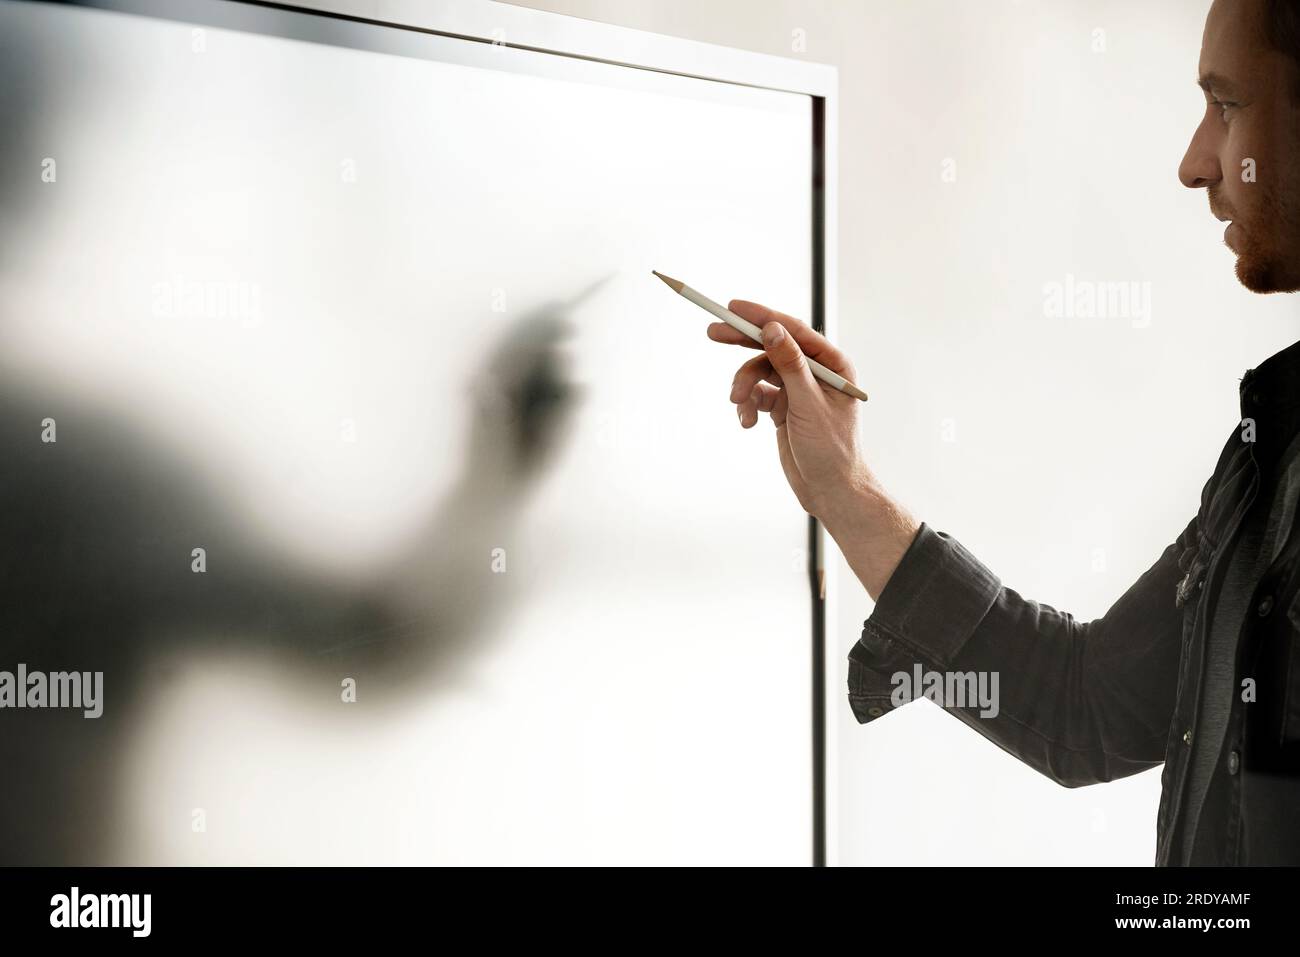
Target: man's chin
(1263,274)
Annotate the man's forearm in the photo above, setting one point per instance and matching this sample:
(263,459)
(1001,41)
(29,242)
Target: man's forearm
(872,530)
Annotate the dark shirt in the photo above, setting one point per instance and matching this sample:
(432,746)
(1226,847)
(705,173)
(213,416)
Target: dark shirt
(1160,677)
(1259,541)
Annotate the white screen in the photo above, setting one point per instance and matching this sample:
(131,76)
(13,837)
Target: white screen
(308,274)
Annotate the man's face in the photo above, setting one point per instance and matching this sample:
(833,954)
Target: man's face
(1246,152)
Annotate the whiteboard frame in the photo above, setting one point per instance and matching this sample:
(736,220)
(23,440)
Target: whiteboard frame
(503,24)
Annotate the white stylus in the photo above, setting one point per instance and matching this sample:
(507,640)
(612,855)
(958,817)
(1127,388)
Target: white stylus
(832,379)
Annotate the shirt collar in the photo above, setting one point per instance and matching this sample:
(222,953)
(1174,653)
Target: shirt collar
(1274,385)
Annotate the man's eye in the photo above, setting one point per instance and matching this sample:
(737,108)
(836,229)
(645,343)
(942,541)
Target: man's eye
(1225,108)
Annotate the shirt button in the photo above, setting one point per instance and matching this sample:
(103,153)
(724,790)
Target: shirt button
(1234,761)
(1187,736)
(1265,605)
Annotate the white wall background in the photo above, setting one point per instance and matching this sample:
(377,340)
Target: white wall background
(1080,445)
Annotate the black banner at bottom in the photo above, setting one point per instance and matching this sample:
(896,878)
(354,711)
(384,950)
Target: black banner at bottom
(134,906)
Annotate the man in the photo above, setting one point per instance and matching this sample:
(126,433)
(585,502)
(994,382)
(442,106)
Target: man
(1197,665)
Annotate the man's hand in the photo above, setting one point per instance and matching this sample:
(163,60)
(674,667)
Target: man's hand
(816,427)
(817,439)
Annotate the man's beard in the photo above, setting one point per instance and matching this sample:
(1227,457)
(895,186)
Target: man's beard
(1268,249)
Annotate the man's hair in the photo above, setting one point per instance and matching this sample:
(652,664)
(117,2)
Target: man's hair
(1282,30)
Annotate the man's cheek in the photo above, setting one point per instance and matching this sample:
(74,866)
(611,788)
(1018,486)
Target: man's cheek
(1242,170)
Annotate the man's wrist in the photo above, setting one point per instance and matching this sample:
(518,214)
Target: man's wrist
(857,501)
(873,530)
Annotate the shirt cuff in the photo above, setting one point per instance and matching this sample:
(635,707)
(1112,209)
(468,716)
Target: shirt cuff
(936,598)
(932,604)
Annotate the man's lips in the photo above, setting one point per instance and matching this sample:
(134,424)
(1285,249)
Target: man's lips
(1228,235)
(1224,217)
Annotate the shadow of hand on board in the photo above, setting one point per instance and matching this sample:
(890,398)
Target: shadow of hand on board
(97,574)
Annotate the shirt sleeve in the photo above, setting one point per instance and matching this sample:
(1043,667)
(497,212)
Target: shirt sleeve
(1081,702)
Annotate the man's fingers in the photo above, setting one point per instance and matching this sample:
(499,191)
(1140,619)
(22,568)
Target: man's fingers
(773,401)
(813,344)
(789,363)
(762,398)
(721,332)
(754,371)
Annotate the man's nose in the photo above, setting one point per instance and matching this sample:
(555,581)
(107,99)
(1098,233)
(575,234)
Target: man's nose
(1200,168)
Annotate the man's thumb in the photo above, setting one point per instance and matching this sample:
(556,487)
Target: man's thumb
(788,360)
